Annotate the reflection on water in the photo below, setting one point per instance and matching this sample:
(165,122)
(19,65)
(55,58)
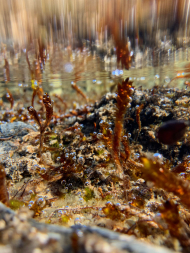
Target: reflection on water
(55,43)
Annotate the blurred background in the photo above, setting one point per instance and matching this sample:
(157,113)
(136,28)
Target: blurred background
(55,43)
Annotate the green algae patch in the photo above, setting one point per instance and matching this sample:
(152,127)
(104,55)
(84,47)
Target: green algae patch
(65,219)
(15,204)
(53,137)
(89,194)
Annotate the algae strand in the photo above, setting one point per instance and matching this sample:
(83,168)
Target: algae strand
(125,90)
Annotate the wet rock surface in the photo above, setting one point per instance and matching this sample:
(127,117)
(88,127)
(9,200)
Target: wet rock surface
(16,128)
(20,233)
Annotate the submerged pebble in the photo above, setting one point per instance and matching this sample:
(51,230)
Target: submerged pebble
(15,128)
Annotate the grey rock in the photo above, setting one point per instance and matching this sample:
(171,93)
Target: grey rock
(16,128)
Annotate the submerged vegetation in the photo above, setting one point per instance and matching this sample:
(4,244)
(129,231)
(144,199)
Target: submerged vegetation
(49,113)
(101,164)
(102,161)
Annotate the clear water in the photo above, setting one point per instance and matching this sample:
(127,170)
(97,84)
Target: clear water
(95,76)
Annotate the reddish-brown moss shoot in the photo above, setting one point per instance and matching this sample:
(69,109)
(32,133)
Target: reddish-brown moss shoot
(125,143)
(49,109)
(33,97)
(180,74)
(62,101)
(160,175)
(10,98)
(138,111)
(6,71)
(1,102)
(34,114)
(29,66)
(37,71)
(4,195)
(181,167)
(125,90)
(175,224)
(39,92)
(122,50)
(49,113)
(112,211)
(106,135)
(42,51)
(123,54)
(79,91)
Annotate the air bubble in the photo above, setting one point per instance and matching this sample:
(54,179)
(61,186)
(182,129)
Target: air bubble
(111,131)
(81,160)
(66,155)
(60,213)
(131,91)
(30,204)
(136,155)
(108,203)
(77,221)
(30,192)
(58,159)
(43,171)
(125,138)
(80,174)
(87,183)
(99,136)
(44,214)
(158,156)
(182,175)
(129,99)
(41,202)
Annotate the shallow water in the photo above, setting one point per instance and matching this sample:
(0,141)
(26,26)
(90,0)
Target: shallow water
(93,74)
(157,37)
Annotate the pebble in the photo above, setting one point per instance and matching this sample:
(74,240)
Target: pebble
(15,128)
